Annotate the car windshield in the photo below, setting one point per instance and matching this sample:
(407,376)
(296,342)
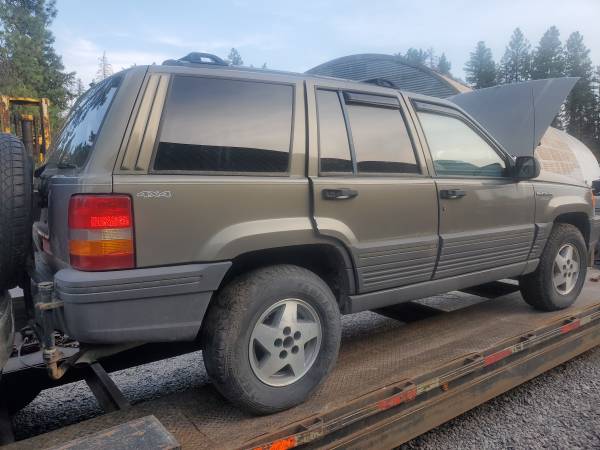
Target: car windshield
(81,130)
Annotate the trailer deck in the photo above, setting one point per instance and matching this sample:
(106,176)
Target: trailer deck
(388,386)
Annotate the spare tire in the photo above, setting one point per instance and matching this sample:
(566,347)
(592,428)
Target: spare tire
(16,190)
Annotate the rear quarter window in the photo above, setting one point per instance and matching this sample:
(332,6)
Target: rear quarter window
(225,126)
(81,130)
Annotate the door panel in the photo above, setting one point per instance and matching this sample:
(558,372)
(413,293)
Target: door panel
(390,227)
(490,226)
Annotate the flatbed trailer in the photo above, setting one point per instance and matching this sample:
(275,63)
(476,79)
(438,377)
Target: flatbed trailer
(387,387)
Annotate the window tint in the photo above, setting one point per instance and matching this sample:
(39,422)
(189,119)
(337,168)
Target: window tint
(457,149)
(334,150)
(78,137)
(381,140)
(218,125)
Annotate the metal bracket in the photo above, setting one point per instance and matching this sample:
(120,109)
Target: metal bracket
(105,390)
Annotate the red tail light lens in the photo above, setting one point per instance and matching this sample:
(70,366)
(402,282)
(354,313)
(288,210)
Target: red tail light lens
(101,232)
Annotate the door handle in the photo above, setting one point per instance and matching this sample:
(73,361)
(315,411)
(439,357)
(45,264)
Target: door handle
(452,193)
(339,194)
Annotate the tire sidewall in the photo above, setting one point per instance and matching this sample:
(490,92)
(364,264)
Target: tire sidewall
(17,239)
(573,237)
(261,297)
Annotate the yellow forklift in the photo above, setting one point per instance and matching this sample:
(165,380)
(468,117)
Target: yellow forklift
(17,117)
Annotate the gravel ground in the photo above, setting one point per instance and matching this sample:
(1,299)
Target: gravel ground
(559,409)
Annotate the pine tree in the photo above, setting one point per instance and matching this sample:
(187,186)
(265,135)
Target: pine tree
(234,58)
(28,63)
(415,56)
(79,88)
(597,112)
(431,58)
(443,65)
(105,69)
(515,65)
(548,58)
(581,103)
(480,69)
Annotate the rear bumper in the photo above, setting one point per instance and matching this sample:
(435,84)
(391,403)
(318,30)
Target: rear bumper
(159,304)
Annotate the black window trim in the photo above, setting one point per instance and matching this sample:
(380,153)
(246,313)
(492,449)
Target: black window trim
(286,174)
(369,99)
(382,101)
(449,111)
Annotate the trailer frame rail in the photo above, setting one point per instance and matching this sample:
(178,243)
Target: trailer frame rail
(444,379)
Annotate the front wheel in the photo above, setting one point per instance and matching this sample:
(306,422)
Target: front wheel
(271,337)
(560,275)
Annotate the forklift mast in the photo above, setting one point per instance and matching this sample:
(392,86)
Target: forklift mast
(33,130)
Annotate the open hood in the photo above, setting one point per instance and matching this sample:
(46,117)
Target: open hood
(517,115)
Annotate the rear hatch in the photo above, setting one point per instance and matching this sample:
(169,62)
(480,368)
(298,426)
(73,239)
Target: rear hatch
(81,162)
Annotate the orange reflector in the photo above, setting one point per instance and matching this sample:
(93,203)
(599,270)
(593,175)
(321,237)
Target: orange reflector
(498,356)
(281,444)
(570,326)
(101,248)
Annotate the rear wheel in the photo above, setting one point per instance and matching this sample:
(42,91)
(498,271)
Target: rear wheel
(560,275)
(16,187)
(271,337)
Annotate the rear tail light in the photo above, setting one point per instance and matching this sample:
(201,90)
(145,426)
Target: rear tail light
(101,232)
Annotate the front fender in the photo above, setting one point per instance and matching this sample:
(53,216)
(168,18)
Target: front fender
(553,200)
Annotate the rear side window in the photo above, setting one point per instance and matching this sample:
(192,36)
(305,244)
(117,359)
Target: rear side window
(81,130)
(381,140)
(334,149)
(230,126)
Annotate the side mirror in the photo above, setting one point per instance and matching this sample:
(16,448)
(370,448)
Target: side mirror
(526,168)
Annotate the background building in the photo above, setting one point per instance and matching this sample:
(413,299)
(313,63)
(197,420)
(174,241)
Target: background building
(405,76)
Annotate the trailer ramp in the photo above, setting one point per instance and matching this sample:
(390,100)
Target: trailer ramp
(388,386)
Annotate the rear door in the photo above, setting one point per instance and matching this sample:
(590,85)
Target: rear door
(370,186)
(486,217)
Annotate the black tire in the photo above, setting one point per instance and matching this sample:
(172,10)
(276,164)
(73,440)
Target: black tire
(230,321)
(537,288)
(16,190)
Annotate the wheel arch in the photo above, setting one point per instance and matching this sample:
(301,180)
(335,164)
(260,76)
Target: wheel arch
(579,220)
(329,260)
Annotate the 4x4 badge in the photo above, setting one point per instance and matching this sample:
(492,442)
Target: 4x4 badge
(154,194)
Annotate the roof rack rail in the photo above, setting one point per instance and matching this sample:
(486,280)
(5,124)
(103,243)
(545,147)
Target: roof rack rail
(380,82)
(196,58)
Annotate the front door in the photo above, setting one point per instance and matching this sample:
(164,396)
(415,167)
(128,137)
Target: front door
(371,189)
(486,217)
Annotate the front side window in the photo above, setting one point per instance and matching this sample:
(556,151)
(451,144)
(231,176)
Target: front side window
(228,126)
(381,141)
(457,150)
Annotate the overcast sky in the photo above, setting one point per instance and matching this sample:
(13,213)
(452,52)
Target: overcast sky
(302,34)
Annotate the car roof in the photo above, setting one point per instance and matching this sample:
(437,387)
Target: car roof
(204,68)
